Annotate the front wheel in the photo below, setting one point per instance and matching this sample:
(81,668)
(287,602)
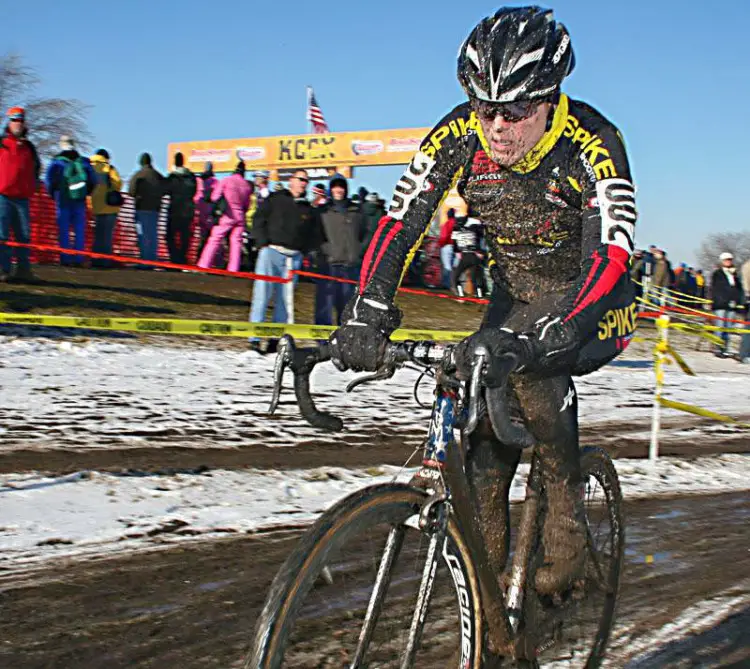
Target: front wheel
(346,596)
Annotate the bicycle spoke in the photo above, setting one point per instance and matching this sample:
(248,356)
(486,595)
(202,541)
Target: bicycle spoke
(382,581)
(423,599)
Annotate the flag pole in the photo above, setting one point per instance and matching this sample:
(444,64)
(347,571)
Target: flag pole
(307,111)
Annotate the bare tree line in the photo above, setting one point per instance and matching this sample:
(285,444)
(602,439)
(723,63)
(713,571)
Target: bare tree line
(736,243)
(47,118)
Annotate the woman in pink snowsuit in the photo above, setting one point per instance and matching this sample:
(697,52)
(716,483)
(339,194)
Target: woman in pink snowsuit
(236,191)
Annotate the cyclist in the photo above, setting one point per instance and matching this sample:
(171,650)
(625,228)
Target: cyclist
(549,178)
(468,238)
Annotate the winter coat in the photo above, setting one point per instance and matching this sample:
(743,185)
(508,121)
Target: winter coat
(236,191)
(372,212)
(107,179)
(55,175)
(637,269)
(147,188)
(662,273)
(181,188)
(446,232)
(284,221)
(204,190)
(700,285)
(745,280)
(19,166)
(724,295)
(344,228)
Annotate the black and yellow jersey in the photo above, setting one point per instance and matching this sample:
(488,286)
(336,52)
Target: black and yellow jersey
(561,219)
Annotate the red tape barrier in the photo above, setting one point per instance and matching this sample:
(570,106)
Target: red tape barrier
(151,263)
(129,260)
(410,291)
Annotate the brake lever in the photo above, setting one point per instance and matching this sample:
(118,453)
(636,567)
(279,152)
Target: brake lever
(380,375)
(284,354)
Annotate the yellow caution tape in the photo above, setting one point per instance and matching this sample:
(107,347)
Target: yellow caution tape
(699,411)
(212,328)
(671,291)
(680,360)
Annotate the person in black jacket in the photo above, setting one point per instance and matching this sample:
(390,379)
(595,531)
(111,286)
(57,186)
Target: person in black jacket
(147,188)
(180,186)
(285,227)
(344,227)
(726,296)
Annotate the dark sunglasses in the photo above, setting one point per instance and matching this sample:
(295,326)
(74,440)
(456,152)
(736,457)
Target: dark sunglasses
(512,112)
(305,179)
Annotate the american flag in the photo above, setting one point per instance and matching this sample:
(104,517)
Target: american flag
(314,115)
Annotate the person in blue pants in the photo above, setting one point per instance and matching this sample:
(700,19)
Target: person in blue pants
(69,180)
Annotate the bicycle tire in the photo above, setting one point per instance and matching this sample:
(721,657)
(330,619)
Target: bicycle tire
(356,514)
(596,464)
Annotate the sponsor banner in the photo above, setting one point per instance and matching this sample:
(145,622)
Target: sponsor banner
(343,149)
(314,173)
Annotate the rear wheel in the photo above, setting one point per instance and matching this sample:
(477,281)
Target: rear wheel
(574,628)
(322,596)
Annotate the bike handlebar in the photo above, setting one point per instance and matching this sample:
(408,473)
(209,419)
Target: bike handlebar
(302,361)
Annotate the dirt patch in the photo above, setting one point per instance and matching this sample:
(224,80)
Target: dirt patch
(196,605)
(136,293)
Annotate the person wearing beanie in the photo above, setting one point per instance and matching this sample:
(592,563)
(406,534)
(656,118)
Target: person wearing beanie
(70,179)
(147,189)
(181,187)
(319,195)
(204,192)
(345,229)
(105,203)
(234,192)
(19,173)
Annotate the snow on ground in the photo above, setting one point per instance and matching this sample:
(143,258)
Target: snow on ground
(98,394)
(91,513)
(641,645)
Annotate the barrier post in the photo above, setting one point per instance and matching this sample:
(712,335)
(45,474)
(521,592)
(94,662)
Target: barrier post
(660,352)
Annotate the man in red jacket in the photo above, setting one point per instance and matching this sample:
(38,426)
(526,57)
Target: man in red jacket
(19,172)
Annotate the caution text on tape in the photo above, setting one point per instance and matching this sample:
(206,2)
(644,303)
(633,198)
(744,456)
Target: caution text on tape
(211,328)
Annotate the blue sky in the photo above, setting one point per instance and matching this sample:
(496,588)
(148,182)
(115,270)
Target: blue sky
(674,76)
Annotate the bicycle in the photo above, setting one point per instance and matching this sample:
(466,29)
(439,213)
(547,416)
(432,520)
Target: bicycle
(398,574)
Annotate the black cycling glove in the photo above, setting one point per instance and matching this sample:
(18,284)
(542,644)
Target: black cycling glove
(550,347)
(362,340)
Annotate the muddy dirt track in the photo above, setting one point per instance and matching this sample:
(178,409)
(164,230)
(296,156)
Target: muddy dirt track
(195,605)
(384,445)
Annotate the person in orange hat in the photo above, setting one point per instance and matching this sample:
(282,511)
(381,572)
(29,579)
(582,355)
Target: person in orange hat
(19,174)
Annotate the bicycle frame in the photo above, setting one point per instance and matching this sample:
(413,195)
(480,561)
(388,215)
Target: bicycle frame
(443,473)
(443,460)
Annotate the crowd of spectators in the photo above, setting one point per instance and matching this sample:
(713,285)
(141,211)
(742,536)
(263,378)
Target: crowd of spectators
(275,230)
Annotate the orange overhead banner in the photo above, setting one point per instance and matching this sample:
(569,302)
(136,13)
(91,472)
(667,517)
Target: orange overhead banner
(340,149)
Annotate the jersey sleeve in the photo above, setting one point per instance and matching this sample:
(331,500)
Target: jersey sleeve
(608,228)
(418,193)
(602,175)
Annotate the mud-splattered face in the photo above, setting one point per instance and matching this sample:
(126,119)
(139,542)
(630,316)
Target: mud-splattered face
(511,140)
